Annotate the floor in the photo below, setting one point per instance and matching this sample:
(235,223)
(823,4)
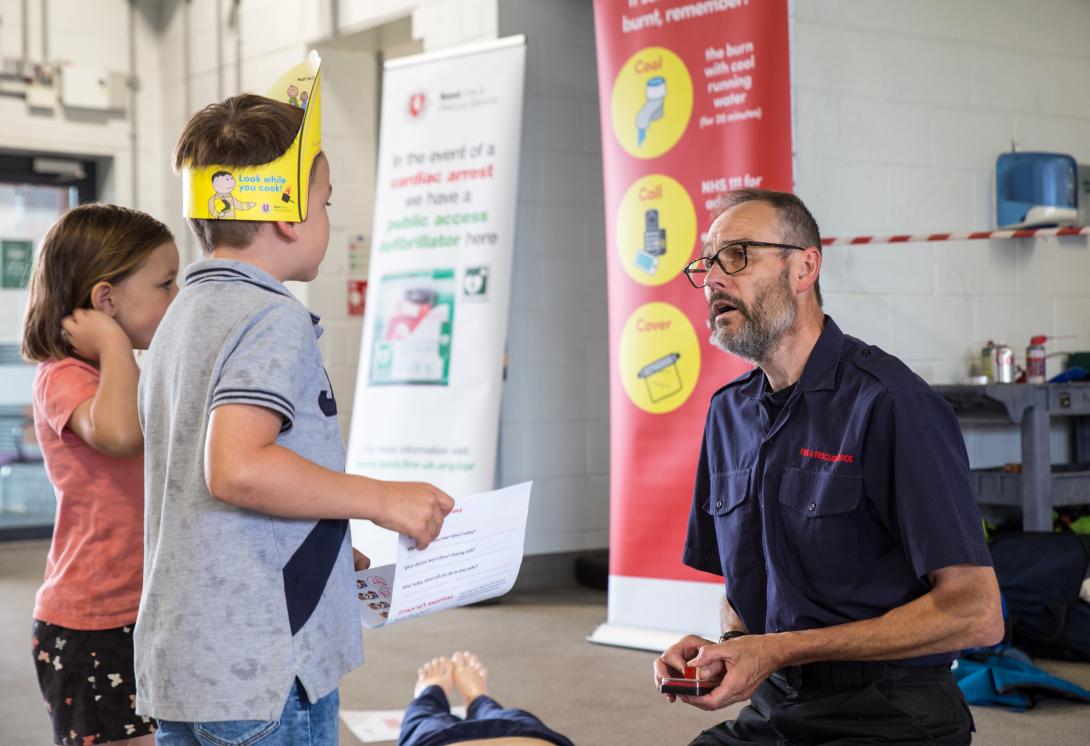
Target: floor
(533,644)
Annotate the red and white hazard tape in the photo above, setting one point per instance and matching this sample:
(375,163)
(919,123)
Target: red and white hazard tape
(975,235)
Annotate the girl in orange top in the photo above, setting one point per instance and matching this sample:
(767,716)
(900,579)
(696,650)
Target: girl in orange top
(102,281)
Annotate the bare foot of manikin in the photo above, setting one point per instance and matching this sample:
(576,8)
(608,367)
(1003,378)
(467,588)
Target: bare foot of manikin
(436,672)
(470,676)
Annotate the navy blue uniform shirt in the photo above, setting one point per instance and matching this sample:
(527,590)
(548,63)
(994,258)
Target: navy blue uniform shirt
(839,509)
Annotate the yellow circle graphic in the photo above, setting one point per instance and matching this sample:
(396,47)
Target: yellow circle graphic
(656,229)
(652,102)
(659,358)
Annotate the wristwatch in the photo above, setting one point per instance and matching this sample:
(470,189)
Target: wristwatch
(730,635)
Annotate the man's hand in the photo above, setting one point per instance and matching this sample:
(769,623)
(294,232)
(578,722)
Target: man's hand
(416,509)
(744,662)
(91,332)
(360,560)
(673,660)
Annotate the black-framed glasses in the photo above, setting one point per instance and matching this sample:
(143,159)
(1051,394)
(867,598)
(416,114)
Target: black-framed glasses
(731,258)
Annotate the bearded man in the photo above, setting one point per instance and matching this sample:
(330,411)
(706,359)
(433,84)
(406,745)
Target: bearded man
(833,496)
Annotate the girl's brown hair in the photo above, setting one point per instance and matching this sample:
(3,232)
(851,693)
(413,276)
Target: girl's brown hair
(89,244)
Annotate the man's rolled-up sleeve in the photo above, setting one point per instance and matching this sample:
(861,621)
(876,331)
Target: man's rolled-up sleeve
(934,506)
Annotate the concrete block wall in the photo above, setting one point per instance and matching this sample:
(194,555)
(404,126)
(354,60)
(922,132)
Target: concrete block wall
(555,415)
(211,50)
(900,111)
(350,138)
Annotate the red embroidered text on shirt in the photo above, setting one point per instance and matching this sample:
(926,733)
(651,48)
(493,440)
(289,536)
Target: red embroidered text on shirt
(823,456)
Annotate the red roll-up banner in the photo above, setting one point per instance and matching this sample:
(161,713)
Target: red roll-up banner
(695,100)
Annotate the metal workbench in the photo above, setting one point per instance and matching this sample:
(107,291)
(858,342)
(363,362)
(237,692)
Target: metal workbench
(1040,485)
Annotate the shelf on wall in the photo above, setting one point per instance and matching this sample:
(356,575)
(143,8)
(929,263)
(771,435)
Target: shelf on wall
(1040,484)
(1069,485)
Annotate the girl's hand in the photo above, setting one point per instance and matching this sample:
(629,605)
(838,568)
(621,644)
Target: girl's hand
(91,333)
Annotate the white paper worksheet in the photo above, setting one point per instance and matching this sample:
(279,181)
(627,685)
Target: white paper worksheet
(476,556)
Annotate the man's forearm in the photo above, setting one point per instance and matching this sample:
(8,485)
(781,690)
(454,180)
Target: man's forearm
(962,610)
(729,621)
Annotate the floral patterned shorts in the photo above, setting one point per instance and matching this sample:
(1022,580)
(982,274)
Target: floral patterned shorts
(87,679)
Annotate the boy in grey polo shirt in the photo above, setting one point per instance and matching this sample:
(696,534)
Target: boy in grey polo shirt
(248,618)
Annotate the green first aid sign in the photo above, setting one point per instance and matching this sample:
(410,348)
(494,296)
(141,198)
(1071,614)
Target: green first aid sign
(15,256)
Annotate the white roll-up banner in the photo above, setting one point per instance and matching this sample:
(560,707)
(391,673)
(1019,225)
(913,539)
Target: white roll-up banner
(427,400)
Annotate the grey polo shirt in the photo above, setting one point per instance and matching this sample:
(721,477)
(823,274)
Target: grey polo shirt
(237,604)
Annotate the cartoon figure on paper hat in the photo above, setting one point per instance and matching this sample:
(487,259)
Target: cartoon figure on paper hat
(268,192)
(222,204)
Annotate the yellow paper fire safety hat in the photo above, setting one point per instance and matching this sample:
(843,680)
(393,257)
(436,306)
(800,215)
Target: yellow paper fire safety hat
(273,191)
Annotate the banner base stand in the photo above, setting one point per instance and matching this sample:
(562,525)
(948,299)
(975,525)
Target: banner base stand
(636,638)
(654,613)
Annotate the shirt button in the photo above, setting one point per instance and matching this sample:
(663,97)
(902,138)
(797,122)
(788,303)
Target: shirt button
(866,353)
(718,503)
(813,507)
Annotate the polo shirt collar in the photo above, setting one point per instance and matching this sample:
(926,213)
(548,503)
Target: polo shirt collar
(232,270)
(818,374)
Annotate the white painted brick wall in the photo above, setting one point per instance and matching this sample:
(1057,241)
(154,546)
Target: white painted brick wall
(901,109)
(890,270)
(555,414)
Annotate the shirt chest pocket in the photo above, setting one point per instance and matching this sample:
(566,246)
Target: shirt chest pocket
(820,513)
(737,526)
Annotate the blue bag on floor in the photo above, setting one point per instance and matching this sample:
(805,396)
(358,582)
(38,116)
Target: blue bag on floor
(1010,680)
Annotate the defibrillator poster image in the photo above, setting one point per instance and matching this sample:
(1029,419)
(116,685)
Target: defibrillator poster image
(414,327)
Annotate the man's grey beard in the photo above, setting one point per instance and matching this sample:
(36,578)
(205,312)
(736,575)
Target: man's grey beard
(771,316)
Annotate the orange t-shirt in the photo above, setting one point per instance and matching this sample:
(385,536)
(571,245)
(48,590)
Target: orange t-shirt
(96,562)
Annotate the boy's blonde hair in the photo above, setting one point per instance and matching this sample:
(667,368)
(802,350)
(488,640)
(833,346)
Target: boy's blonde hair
(89,244)
(244,130)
